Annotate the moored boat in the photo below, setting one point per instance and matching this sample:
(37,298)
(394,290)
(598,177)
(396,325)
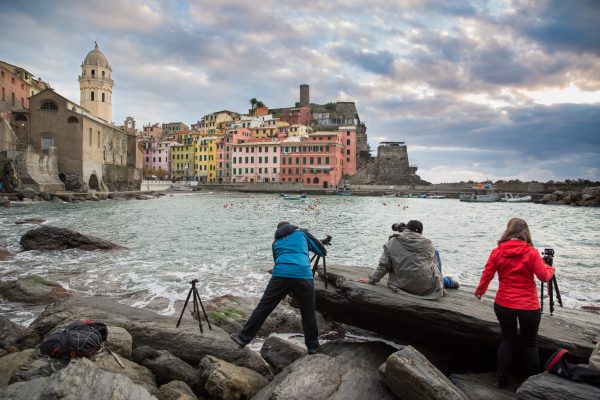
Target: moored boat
(481,193)
(511,198)
(292,196)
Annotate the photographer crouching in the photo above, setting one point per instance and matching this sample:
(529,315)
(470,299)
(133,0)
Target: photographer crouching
(292,274)
(413,264)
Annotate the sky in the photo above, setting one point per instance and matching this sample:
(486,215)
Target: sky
(478,90)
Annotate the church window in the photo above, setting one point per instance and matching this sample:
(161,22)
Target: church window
(20,117)
(90,137)
(92,96)
(103,97)
(48,105)
(93,72)
(72,120)
(47,143)
(103,74)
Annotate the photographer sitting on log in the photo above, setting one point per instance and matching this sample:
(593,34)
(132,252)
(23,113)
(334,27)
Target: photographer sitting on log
(412,262)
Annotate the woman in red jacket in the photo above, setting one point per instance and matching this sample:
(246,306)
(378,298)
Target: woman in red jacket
(516,261)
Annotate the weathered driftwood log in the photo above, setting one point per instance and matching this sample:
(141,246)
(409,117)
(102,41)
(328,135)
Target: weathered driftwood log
(339,371)
(81,379)
(53,238)
(412,377)
(457,323)
(551,387)
(146,329)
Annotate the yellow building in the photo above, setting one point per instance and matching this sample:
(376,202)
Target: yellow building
(205,160)
(215,124)
(182,162)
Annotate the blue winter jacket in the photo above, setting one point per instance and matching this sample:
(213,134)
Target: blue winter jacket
(290,252)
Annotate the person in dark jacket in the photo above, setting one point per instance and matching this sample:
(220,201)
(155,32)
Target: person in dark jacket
(292,273)
(517,262)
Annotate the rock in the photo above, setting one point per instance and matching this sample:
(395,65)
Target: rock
(32,289)
(341,370)
(592,191)
(139,374)
(280,353)
(4,202)
(143,197)
(166,367)
(559,194)
(547,198)
(56,199)
(102,196)
(93,197)
(480,386)
(176,390)
(81,380)
(5,254)
(471,330)
(26,194)
(9,332)
(11,363)
(53,238)
(35,221)
(146,329)
(225,381)
(551,387)
(37,368)
(412,377)
(65,197)
(45,196)
(119,341)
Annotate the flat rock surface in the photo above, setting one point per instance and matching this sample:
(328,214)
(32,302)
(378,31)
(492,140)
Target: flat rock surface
(551,387)
(457,321)
(53,238)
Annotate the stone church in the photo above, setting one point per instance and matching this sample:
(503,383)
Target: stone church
(91,152)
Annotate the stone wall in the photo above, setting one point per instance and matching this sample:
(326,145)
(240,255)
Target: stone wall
(118,178)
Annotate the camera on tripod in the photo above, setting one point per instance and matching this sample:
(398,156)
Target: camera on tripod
(552,284)
(548,256)
(400,227)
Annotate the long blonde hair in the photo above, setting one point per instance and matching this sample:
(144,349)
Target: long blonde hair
(516,229)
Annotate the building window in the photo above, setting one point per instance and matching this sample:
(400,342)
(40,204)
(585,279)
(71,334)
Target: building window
(103,74)
(348,142)
(93,74)
(13,98)
(48,105)
(3,94)
(72,120)
(47,143)
(103,97)
(326,160)
(347,152)
(275,160)
(274,170)
(92,95)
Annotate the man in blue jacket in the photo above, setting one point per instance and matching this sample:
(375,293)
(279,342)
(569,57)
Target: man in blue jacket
(292,273)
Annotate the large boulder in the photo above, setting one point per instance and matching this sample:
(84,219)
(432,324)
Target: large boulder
(139,374)
(11,363)
(412,377)
(119,341)
(53,238)
(9,332)
(146,329)
(166,367)
(551,387)
(481,386)
(280,353)
(176,390)
(32,289)
(342,370)
(81,380)
(225,381)
(26,194)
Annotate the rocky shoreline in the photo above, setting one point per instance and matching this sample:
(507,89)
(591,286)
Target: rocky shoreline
(588,197)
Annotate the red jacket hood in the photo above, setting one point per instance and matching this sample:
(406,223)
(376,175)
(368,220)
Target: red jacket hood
(514,248)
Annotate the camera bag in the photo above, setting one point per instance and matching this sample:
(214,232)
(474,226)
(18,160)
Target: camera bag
(558,364)
(79,339)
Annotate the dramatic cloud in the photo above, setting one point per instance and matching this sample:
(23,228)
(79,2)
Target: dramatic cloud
(495,89)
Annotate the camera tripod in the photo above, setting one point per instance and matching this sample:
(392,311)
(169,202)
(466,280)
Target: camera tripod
(316,267)
(196,311)
(552,284)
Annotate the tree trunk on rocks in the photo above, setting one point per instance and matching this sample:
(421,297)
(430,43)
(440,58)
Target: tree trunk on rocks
(280,353)
(32,289)
(470,329)
(166,367)
(412,377)
(342,370)
(81,380)
(225,381)
(551,387)
(53,238)
(146,329)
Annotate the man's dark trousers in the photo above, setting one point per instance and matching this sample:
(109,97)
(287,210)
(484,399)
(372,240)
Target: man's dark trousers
(303,291)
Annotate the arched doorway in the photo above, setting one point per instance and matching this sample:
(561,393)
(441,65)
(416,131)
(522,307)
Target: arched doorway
(93,183)
(316,180)
(324,184)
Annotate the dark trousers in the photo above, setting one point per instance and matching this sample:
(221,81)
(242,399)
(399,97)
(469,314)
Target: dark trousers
(529,322)
(303,291)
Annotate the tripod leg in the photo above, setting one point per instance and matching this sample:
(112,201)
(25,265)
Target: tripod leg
(197,310)
(555,283)
(316,264)
(203,310)
(541,296)
(551,297)
(325,272)
(313,257)
(184,306)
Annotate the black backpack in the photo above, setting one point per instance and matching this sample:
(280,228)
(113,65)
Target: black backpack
(558,364)
(79,339)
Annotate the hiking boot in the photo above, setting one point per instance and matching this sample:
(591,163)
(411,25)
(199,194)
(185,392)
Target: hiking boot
(234,336)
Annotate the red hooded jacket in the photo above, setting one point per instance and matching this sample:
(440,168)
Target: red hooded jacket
(516,263)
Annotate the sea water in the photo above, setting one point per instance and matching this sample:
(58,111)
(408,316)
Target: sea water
(224,240)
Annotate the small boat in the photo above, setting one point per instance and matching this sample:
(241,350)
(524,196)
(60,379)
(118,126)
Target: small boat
(182,187)
(481,193)
(511,198)
(292,196)
(417,196)
(435,196)
(343,193)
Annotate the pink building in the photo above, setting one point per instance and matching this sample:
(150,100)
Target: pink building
(256,160)
(153,131)
(225,150)
(315,161)
(348,134)
(157,155)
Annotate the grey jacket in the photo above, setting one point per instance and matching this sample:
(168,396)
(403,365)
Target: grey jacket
(409,258)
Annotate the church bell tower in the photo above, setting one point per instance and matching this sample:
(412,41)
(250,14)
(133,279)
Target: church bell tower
(95,85)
